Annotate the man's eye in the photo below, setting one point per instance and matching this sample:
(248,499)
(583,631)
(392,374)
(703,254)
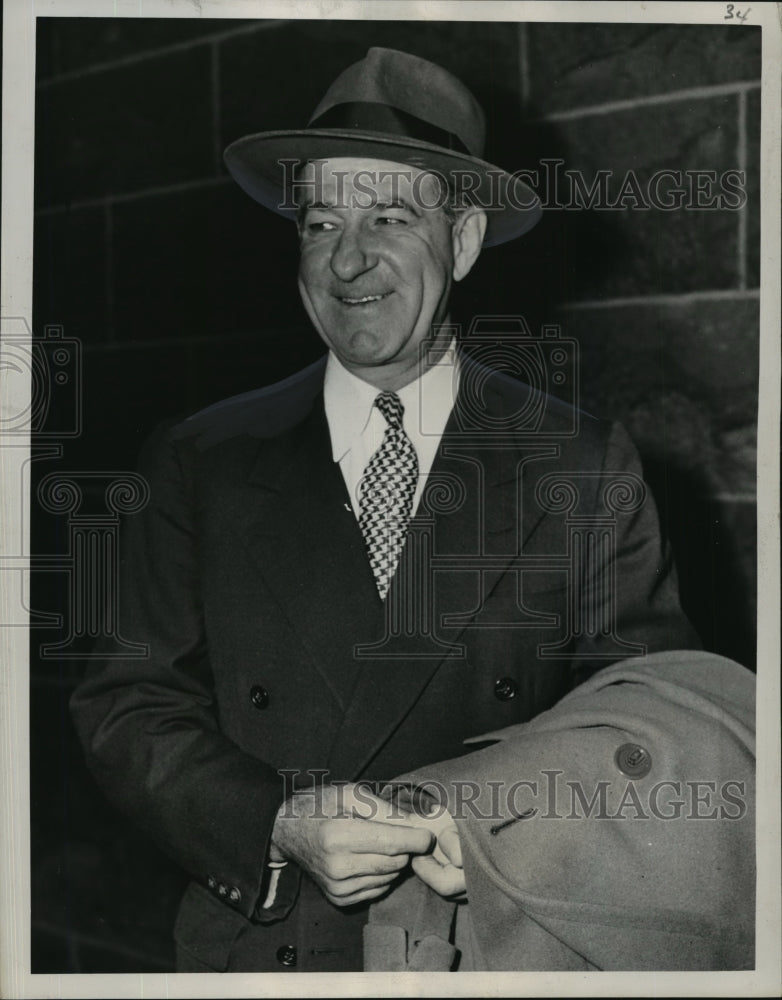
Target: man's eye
(390,220)
(320,227)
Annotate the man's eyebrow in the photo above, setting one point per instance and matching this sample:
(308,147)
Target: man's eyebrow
(315,204)
(397,203)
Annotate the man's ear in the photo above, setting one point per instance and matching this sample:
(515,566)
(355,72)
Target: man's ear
(468,232)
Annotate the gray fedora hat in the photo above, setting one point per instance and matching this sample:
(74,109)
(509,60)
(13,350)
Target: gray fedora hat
(392,106)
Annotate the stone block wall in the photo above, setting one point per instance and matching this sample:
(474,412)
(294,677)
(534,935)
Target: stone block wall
(183,291)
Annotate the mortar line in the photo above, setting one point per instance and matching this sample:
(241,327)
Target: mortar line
(108,218)
(738,498)
(165,342)
(674,298)
(163,50)
(693,93)
(116,199)
(216,116)
(93,941)
(524,74)
(741,159)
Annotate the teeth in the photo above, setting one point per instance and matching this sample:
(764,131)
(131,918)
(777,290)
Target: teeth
(365,298)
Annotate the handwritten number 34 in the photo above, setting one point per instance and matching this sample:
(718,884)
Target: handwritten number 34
(736,14)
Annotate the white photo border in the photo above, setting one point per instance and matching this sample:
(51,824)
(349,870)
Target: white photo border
(16,289)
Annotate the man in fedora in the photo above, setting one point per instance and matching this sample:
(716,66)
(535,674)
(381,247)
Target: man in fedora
(342,576)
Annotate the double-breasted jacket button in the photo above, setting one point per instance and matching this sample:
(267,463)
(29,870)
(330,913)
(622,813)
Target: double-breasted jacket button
(235,895)
(211,881)
(633,760)
(222,890)
(286,955)
(259,696)
(505,688)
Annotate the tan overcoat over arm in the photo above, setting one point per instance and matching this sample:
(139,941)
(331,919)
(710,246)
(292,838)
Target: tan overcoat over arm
(614,831)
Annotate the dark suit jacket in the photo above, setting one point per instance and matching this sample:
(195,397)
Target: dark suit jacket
(654,870)
(248,578)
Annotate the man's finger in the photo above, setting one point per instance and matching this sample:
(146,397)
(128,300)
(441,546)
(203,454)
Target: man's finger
(350,886)
(357,897)
(354,865)
(440,823)
(445,880)
(367,837)
(363,804)
(450,845)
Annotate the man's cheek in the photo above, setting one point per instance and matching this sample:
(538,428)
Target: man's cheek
(309,305)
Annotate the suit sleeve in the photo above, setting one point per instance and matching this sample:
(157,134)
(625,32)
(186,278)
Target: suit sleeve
(148,724)
(626,600)
(615,831)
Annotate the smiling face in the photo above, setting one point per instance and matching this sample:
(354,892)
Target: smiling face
(378,256)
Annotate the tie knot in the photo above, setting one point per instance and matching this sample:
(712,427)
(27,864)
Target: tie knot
(390,405)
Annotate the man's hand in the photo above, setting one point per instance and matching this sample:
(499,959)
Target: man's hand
(442,870)
(352,845)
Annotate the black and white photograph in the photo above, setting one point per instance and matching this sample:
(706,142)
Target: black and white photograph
(390,440)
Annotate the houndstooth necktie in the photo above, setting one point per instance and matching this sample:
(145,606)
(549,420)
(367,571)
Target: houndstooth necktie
(386,493)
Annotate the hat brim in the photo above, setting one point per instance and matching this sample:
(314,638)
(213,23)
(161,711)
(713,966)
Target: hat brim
(254,161)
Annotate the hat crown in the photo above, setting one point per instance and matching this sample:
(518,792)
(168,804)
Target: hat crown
(414,86)
(390,106)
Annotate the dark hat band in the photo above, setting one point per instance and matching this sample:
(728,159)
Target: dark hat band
(371,116)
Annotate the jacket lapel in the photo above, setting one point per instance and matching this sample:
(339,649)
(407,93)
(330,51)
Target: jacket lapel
(476,511)
(378,657)
(306,543)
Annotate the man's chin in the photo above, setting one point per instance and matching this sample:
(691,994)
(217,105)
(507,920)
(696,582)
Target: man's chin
(366,348)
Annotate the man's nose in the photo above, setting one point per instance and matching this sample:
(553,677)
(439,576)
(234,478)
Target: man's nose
(352,255)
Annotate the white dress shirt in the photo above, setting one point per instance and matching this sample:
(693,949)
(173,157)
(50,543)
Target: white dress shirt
(357,427)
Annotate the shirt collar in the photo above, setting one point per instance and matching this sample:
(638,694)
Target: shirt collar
(427,400)
(348,401)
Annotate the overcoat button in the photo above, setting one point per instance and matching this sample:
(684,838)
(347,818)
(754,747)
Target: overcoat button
(234,895)
(222,890)
(286,955)
(211,882)
(505,688)
(259,696)
(633,760)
